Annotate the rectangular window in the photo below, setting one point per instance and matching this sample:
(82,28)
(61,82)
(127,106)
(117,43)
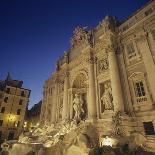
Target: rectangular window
(11,135)
(22,93)
(148,128)
(8,90)
(6,99)
(153,34)
(1,122)
(0,134)
(130,49)
(18,111)
(3,110)
(20,102)
(139,89)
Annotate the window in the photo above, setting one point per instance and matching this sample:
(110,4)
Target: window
(1,122)
(0,134)
(139,89)
(22,93)
(130,49)
(11,135)
(3,110)
(20,102)
(153,34)
(18,111)
(148,128)
(6,99)
(8,90)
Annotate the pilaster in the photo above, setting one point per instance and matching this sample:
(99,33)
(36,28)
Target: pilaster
(65,112)
(115,80)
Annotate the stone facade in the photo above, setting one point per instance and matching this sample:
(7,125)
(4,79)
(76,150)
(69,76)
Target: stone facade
(112,70)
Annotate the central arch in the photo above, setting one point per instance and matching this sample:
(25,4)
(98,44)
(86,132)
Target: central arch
(80,87)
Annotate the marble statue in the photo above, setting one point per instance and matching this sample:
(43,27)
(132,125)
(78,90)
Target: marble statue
(107,97)
(77,105)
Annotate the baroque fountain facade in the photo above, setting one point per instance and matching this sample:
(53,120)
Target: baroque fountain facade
(103,89)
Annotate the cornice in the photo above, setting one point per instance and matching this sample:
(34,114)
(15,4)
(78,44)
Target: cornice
(138,26)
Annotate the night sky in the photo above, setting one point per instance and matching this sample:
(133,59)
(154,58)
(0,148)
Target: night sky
(34,33)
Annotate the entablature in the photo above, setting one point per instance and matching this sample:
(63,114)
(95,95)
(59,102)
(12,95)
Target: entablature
(138,16)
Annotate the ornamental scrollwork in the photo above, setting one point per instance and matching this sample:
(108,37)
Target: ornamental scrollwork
(103,65)
(117,123)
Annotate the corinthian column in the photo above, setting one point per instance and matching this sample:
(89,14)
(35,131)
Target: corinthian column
(115,81)
(92,111)
(65,112)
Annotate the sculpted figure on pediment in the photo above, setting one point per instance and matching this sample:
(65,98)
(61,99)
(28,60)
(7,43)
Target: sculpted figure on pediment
(80,35)
(108,23)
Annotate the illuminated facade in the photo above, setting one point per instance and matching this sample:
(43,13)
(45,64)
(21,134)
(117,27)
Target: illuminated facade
(111,69)
(13,105)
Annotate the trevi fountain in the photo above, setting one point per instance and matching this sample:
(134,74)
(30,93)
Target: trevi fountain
(100,99)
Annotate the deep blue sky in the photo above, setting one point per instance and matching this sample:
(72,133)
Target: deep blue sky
(34,33)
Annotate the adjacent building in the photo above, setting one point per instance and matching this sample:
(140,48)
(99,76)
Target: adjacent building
(33,116)
(110,71)
(13,105)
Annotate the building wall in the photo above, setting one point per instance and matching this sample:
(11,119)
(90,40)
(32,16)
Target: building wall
(119,57)
(13,99)
(33,117)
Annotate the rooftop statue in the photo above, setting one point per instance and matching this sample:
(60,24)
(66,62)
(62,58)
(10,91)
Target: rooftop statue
(80,35)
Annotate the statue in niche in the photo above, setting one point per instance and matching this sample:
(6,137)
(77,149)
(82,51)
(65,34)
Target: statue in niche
(77,105)
(107,98)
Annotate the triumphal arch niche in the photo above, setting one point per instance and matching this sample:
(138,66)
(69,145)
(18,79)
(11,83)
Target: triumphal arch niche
(79,93)
(106,78)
